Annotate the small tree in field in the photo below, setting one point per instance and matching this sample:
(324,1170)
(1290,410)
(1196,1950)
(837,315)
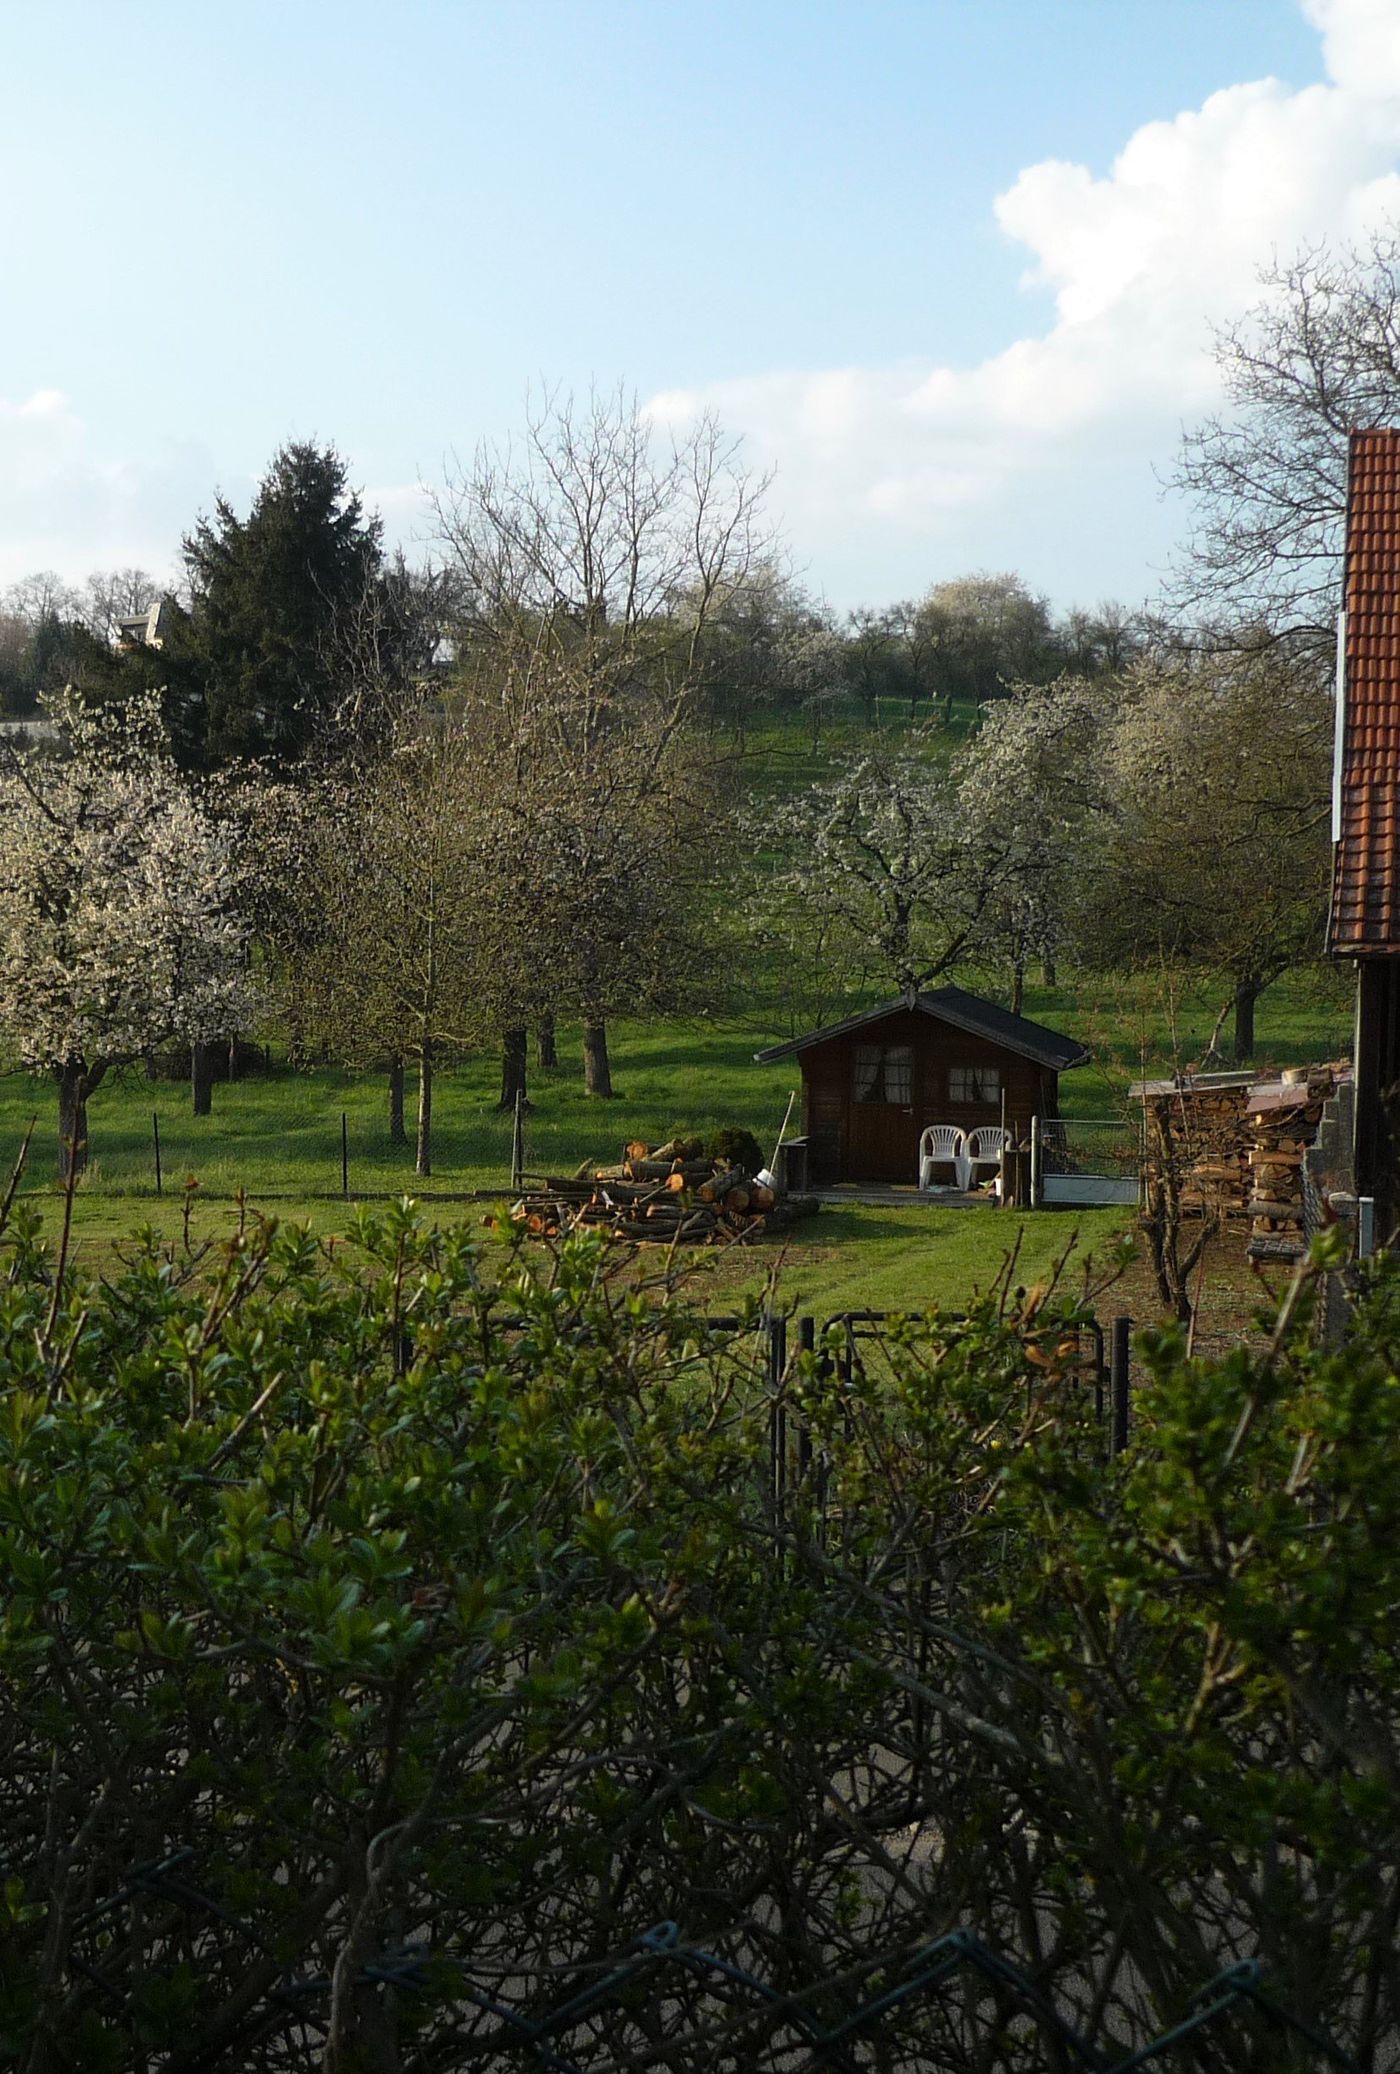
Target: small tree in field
(1033,803)
(379,958)
(119,929)
(880,851)
(1218,770)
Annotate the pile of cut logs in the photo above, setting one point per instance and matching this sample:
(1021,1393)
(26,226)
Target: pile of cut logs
(1283,1121)
(1240,1149)
(1205,1130)
(657,1196)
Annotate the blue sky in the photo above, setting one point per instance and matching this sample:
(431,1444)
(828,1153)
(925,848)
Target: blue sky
(947,266)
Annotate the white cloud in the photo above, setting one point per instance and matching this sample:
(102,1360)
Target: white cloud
(1360,45)
(935,467)
(65,506)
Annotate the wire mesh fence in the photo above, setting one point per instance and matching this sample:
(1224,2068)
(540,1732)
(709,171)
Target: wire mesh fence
(1087,1159)
(664,2002)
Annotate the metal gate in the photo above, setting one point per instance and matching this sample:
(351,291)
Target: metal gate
(1084,1159)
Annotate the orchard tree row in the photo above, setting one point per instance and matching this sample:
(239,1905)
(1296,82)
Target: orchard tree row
(1173,815)
(429,852)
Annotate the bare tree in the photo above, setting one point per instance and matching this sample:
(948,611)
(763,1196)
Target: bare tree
(43,595)
(382,649)
(111,595)
(591,560)
(598,849)
(1318,355)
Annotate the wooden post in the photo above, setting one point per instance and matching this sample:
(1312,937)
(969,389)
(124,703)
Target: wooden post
(344,1155)
(517,1141)
(155,1134)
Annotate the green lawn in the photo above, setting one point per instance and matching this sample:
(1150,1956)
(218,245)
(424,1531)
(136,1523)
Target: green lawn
(851,1258)
(281,1136)
(857,1258)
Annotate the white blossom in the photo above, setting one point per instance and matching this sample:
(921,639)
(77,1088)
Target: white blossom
(119,930)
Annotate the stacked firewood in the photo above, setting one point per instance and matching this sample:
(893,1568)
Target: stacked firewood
(1212,1137)
(656,1195)
(1239,1150)
(1283,1121)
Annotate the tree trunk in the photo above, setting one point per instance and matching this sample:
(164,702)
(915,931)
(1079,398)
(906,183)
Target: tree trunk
(1049,976)
(515,1066)
(597,1072)
(73,1091)
(1246,994)
(546,1049)
(397,1133)
(202,1077)
(425,1110)
(1018,986)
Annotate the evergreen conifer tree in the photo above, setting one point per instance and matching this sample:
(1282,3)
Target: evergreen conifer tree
(250,668)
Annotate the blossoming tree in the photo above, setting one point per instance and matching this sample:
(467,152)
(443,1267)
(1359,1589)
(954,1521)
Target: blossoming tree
(119,926)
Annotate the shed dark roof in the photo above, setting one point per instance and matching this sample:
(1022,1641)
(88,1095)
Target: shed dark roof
(1365,912)
(963,1011)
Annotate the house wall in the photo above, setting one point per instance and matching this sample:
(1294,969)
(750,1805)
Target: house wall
(1377,1053)
(864,1141)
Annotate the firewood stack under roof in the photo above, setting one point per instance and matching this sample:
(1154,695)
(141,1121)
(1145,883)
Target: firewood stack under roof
(1239,1144)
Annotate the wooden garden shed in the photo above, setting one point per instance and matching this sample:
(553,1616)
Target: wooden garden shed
(872,1085)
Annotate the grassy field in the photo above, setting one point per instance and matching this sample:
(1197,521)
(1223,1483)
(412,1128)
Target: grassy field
(278,1140)
(851,1258)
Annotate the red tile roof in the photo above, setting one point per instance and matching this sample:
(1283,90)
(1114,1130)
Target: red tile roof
(1365,915)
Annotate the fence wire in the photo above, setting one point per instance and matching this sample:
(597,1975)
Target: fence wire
(755,2024)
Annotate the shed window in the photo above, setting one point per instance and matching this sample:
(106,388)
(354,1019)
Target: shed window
(883,1073)
(978,1085)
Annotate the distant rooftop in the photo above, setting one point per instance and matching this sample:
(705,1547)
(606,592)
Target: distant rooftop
(964,1011)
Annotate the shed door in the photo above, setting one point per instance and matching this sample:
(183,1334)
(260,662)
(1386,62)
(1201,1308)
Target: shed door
(884,1133)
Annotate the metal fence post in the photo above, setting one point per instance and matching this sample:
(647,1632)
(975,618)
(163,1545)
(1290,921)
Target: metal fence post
(155,1133)
(776,1328)
(344,1155)
(1119,1382)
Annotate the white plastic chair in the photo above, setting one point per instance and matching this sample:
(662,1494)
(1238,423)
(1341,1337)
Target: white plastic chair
(943,1144)
(985,1147)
